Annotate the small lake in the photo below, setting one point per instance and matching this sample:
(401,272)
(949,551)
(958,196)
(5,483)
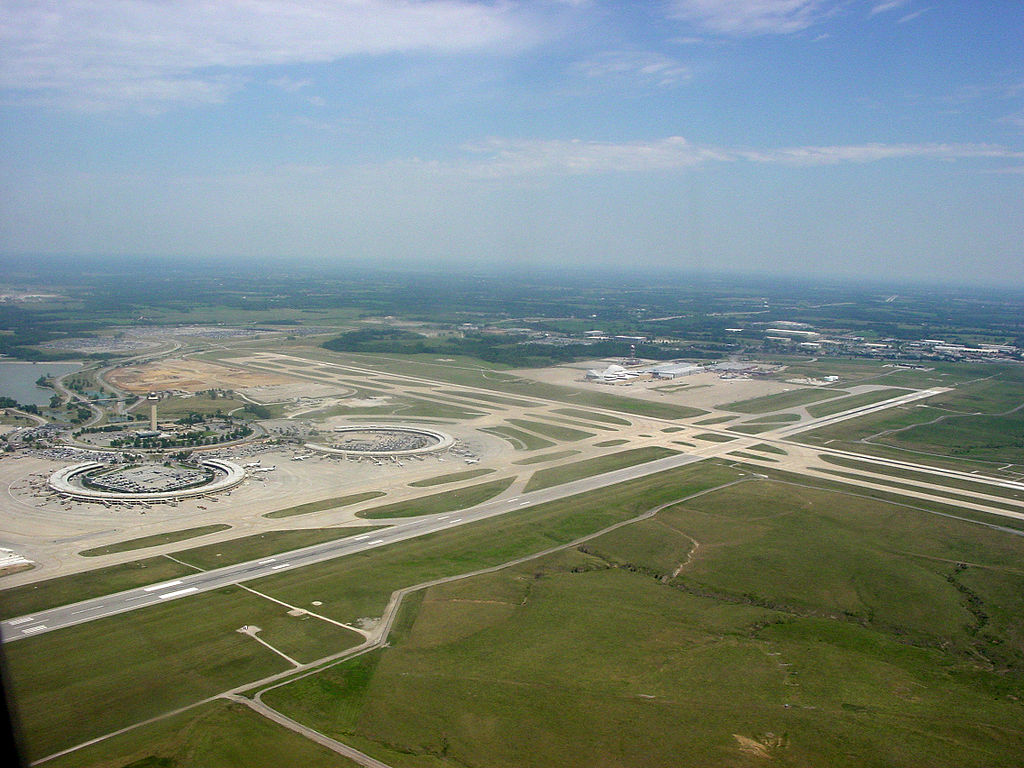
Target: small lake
(18,380)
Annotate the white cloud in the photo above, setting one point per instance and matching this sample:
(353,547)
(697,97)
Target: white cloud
(889,5)
(140,53)
(750,17)
(912,16)
(289,84)
(499,158)
(867,153)
(651,67)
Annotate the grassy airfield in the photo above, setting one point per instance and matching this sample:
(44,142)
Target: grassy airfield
(776,619)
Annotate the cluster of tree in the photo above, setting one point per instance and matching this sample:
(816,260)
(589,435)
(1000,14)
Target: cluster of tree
(183,440)
(513,350)
(258,411)
(10,402)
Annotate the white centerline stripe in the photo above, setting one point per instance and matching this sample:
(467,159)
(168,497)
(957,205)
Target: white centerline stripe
(155,587)
(179,592)
(86,610)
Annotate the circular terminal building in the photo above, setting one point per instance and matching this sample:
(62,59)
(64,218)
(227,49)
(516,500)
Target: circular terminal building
(383,440)
(94,481)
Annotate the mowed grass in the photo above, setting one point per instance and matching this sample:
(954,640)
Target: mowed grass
(547,457)
(260,545)
(909,474)
(592,416)
(790,399)
(29,598)
(220,733)
(520,440)
(855,401)
(448,501)
(975,423)
(554,431)
(471,372)
(155,540)
(487,398)
(454,477)
(545,478)
(124,669)
(718,614)
(713,437)
(359,585)
(320,506)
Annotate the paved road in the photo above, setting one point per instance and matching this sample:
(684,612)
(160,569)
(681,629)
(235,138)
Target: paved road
(402,530)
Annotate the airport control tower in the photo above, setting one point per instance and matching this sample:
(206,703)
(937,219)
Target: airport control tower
(153,399)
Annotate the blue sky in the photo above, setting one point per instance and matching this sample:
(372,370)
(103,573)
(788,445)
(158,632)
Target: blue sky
(874,138)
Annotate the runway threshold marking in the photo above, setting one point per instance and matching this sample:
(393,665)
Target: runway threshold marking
(22,620)
(33,630)
(179,593)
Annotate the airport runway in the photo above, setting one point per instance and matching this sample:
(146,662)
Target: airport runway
(121,602)
(404,529)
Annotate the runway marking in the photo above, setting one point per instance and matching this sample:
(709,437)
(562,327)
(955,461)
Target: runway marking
(137,597)
(22,620)
(377,541)
(523,503)
(279,566)
(155,587)
(32,630)
(86,610)
(179,592)
(264,562)
(457,520)
(364,536)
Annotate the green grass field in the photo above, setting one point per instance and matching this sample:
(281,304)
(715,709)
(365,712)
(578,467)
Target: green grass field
(487,398)
(610,443)
(554,431)
(554,456)
(909,474)
(790,399)
(711,615)
(855,401)
(545,478)
(123,669)
(454,477)
(220,733)
(262,545)
(448,501)
(28,598)
(968,427)
(713,437)
(320,506)
(476,373)
(592,416)
(520,440)
(155,540)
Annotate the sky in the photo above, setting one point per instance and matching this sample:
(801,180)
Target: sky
(879,139)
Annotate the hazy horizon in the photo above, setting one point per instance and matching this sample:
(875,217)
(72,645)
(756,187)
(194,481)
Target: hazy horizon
(877,141)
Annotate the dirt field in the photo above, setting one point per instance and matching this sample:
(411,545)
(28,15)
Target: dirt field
(190,376)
